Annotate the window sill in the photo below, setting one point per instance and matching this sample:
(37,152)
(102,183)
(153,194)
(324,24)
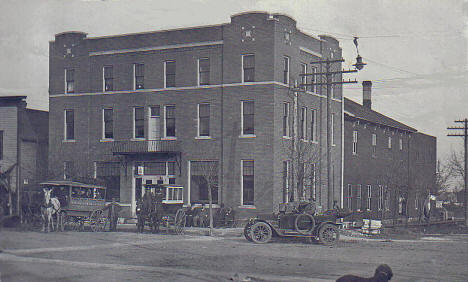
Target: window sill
(169,138)
(69,141)
(138,139)
(203,138)
(287,137)
(248,136)
(252,207)
(106,140)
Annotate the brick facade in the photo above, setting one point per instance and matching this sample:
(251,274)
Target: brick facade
(268,37)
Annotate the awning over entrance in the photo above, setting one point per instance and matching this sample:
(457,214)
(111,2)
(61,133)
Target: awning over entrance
(145,146)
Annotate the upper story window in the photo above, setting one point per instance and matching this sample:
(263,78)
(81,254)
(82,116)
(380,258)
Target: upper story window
(248,68)
(169,121)
(139,71)
(286,70)
(138,122)
(389,142)
(381,196)
(313,79)
(247,167)
(286,128)
(1,144)
(69,80)
(154,126)
(69,125)
(358,196)
(401,144)
(68,170)
(169,74)
(204,71)
(355,141)
(349,198)
(313,125)
(369,197)
(108,74)
(304,77)
(108,123)
(303,124)
(248,118)
(203,120)
(374,145)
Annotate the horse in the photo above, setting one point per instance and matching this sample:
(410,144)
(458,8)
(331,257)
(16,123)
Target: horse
(149,209)
(49,207)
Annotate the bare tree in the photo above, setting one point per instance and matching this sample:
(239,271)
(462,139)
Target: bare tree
(456,167)
(443,176)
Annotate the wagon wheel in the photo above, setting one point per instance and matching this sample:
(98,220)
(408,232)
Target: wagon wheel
(180,220)
(97,221)
(247,229)
(328,234)
(260,232)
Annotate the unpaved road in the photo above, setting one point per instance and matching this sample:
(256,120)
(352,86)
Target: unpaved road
(125,256)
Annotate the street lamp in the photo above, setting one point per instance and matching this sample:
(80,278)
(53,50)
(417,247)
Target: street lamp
(359,64)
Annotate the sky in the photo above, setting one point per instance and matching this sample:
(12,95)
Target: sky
(416,51)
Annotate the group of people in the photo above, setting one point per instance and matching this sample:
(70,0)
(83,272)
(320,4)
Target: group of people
(199,216)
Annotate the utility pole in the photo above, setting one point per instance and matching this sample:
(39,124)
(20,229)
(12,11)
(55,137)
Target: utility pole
(329,73)
(465,136)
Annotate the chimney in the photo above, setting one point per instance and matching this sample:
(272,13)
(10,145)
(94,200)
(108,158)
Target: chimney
(366,94)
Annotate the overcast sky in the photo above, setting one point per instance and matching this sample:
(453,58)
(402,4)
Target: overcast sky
(416,50)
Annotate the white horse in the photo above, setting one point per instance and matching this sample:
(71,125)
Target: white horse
(50,207)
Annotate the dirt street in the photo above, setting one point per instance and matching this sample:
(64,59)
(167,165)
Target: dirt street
(120,256)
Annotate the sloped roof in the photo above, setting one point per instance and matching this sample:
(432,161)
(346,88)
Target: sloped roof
(357,110)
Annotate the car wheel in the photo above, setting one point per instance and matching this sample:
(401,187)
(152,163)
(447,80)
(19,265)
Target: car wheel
(328,234)
(261,233)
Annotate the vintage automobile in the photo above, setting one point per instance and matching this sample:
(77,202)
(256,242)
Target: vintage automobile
(296,223)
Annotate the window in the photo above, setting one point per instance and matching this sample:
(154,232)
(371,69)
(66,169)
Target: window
(248,68)
(381,196)
(286,70)
(247,182)
(108,74)
(286,129)
(1,144)
(69,80)
(374,145)
(248,118)
(139,71)
(416,201)
(68,170)
(204,71)
(332,129)
(313,181)
(358,196)
(202,175)
(387,200)
(169,74)
(108,123)
(389,142)
(154,124)
(69,125)
(171,168)
(313,79)
(355,140)
(203,120)
(349,199)
(303,124)
(286,192)
(304,77)
(169,121)
(401,144)
(139,122)
(369,197)
(313,125)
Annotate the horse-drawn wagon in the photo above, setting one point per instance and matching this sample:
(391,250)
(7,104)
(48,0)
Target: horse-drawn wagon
(80,204)
(161,205)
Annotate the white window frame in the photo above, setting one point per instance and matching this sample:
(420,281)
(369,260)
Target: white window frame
(134,124)
(66,82)
(104,78)
(381,193)
(287,162)
(401,144)
(313,71)
(304,123)
(314,126)
(242,67)
(287,107)
(242,119)
(304,78)
(103,136)
(355,141)
(374,145)
(165,78)
(198,70)
(65,127)
(134,76)
(242,184)
(369,197)
(164,124)
(359,197)
(198,121)
(286,69)
(389,142)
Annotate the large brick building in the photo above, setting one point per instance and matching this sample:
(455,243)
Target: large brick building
(389,167)
(23,148)
(160,106)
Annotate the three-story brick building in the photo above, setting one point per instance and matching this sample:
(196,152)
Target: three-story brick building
(161,106)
